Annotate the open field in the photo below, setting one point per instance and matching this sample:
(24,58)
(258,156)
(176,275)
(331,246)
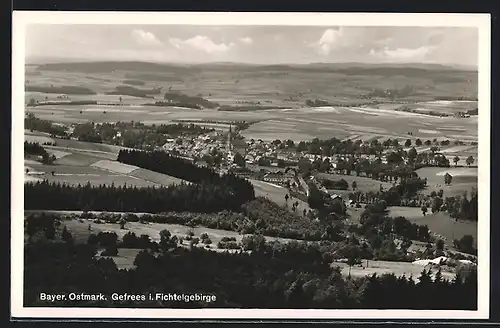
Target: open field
(364,184)
(82,175)
(115,167)
(284,87)
(156,177)
(125,258)
(296,124)
(277,194)
(362,123)
(397,268)
(439,223)
(81,166)
(445,107)
(463,180)
(78,159)
(151,229)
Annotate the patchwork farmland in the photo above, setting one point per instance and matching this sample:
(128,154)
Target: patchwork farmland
(82,163)
(308,250)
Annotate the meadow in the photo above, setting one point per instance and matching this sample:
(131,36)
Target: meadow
(363,184)
(277,194)
(464,179)
(440,223)
(368,268)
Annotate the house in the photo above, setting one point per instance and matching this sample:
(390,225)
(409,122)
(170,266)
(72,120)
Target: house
(336,196)
(275,177)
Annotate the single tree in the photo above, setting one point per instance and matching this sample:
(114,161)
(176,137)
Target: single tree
(354,185)
(424,210)
(469,161)
(239,160)
(447,178)
(286,198)
(66,235)
(440,245)
(456,159)
(408,143)
(418,142)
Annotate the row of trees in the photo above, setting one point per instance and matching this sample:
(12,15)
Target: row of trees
(462,207)
(334,146)
(32,123)
(280,276)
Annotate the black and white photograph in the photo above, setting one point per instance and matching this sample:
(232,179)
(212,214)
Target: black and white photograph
(230,165)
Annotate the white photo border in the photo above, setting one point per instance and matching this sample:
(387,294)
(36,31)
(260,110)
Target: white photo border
(23,18)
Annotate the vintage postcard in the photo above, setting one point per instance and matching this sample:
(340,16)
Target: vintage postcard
(250,165)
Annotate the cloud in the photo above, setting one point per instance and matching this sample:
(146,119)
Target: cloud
(145,38)
(201,43)
(328,41)
(246,40)
(403,53)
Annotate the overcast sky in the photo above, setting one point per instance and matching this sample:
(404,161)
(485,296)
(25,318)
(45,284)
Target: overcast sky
(254,44)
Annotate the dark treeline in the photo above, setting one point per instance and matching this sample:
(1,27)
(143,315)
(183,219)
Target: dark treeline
(172,104)
(34,148)
(68,102)
(32,123)
(135,92)
(62,89)
(133,82)
(283,276)
(188,101)
(162,162)
(165,163)
(203,197)
(462,207)
(335,184)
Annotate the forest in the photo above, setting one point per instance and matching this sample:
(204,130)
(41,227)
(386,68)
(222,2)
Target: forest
(224,194)
(272,275)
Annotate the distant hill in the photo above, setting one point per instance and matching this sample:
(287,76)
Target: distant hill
(407,69)
(110,66)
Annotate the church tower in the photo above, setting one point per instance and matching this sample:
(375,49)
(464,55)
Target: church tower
(229,143)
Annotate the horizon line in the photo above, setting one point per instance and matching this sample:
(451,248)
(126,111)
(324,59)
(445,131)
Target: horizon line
(60,60)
